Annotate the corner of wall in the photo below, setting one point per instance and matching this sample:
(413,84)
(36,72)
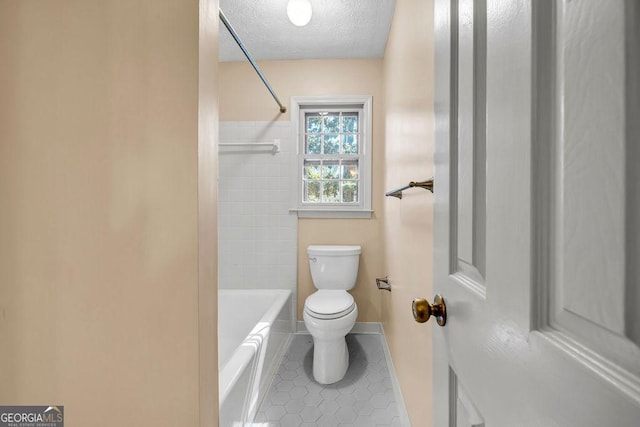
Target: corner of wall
(207,214)
(408,224)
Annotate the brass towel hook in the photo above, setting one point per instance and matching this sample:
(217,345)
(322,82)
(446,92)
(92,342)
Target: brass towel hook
(383,283)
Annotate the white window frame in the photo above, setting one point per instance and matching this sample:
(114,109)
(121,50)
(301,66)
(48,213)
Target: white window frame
(319,210)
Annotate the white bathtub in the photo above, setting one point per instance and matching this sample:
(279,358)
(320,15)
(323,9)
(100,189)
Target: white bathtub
(254,327)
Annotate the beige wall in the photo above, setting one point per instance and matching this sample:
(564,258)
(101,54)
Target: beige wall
(408,225)
(244,98)
(99,223)
(207,212)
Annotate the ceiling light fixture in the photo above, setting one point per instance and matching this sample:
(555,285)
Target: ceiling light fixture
(299,12)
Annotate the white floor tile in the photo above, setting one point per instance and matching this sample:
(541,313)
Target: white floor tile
(364,397)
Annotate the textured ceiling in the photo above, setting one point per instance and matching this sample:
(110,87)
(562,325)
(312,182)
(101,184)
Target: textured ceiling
(338,29)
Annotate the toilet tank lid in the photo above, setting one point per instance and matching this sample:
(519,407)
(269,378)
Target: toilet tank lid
(333,250)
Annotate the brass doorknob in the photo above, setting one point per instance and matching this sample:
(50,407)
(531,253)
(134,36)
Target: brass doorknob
(422,310)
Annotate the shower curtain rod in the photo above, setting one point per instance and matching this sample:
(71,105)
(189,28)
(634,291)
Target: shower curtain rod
(235,36)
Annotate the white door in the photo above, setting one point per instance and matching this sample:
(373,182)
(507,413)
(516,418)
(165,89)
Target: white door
(537,213)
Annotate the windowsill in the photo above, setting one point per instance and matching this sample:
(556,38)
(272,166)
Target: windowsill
(333,213)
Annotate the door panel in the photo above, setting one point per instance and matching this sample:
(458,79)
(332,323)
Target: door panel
(465,413)
(537,213)
(590,257)
(591,144)
(468,184)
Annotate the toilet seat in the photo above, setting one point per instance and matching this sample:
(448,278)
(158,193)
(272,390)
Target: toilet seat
(329,304)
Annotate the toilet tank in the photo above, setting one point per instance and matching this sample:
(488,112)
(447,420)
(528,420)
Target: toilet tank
(334,267)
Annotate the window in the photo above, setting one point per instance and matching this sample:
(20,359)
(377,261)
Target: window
(334,147)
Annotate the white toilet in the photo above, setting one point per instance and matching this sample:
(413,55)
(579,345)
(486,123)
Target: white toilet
(331,312)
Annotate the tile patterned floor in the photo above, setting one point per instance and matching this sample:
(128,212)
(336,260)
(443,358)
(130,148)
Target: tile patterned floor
(364,397)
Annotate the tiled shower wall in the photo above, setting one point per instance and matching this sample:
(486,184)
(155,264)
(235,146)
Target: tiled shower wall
(257,234)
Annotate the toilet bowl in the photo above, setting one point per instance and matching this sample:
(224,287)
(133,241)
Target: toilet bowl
(331,312)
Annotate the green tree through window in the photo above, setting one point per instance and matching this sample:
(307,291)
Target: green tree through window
(331,157)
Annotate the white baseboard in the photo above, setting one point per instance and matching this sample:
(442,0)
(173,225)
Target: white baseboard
(402,409)
(358,328)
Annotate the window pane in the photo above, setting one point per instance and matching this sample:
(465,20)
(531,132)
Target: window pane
(350,191)
(314,124)
(331,144)
(331,192)
(312,191)
(314,144)
(350,122)
(331,123)
(331,157)
(331,169)
(350,169)
(311,169)
(350,144)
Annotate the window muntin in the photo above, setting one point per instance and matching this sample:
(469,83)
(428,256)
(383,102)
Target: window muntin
(332,157)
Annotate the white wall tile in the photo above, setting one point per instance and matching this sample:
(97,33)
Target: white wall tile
(257,235)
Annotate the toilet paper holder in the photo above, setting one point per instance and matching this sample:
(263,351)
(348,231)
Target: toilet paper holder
(383,283)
